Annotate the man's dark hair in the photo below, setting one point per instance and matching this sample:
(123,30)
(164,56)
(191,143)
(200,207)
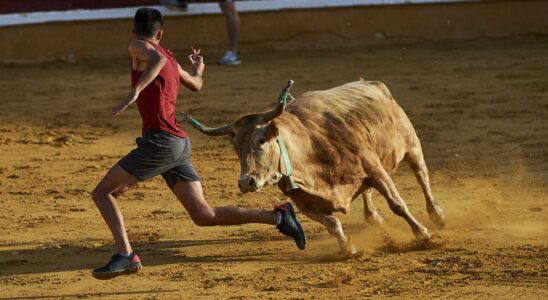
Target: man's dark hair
(148,21)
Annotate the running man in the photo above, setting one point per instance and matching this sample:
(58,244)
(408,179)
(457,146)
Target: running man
(164,149)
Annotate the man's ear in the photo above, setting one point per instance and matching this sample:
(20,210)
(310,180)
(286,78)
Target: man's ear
(133,35)
(160,34)
(271,130)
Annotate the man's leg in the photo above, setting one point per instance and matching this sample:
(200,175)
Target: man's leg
(190,194)
(115,182)
(231,56)
(232,23)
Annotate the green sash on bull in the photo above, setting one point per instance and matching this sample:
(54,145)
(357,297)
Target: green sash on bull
(227,129)
(290,184)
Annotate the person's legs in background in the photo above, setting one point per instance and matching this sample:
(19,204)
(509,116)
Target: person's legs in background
(232,18)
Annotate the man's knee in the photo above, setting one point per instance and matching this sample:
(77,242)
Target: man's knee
(204,218)
(98,194)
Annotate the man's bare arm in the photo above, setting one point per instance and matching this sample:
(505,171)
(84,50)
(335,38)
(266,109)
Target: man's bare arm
(155,61)
(193,81)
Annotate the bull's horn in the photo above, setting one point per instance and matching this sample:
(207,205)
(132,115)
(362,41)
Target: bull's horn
(223,130)
(271,115)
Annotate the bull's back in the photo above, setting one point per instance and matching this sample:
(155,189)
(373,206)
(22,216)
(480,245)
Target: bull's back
(360,116)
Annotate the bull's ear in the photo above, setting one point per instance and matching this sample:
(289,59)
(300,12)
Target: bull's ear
(271,130)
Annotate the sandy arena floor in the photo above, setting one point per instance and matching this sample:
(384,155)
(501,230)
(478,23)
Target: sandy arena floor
(481,111)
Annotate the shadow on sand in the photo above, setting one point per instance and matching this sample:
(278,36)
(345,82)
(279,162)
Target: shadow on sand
(76,257)
(145,292)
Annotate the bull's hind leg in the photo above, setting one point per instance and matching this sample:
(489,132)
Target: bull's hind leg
(384,184)
(370,213)
(334,227)
(415,159)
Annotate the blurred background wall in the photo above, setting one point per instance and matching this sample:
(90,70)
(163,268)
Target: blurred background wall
(35,30)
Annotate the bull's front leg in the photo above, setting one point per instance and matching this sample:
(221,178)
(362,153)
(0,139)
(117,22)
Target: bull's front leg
(334,227)
(415,159)
(384,184)
(370,213)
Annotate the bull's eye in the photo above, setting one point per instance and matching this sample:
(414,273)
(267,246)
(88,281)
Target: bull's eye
(262,141)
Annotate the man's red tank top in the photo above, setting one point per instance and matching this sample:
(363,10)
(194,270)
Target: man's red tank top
(156,102)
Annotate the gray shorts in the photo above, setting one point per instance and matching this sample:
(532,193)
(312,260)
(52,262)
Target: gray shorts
(162,153)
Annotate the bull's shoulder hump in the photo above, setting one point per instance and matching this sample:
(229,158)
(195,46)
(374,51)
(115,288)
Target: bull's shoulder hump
(361,90)
(370,89)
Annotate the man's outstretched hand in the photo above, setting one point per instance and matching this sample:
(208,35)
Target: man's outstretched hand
(131,97)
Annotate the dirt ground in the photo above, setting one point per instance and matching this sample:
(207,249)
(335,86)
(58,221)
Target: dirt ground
(480,109)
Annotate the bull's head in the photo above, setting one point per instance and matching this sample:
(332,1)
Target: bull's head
(254,139)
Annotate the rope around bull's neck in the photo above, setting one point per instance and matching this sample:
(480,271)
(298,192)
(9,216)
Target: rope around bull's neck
(283,150)
(285,156)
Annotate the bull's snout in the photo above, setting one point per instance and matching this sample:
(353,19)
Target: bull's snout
(247,184)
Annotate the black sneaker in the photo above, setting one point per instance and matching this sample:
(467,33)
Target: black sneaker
(119,265)
(289,225)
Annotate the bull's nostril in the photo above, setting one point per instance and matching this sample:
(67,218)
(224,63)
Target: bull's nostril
(251,181)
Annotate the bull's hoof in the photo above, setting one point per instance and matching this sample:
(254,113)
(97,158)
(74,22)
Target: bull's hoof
(350,252)
(374,218)
(422,235)
(437,216)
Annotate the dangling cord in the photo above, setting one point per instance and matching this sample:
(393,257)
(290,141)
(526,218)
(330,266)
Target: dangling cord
(273,196)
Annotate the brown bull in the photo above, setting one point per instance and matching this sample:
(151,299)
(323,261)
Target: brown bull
(341,143)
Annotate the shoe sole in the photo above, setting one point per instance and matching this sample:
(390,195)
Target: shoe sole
(294,216)
(131,270)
